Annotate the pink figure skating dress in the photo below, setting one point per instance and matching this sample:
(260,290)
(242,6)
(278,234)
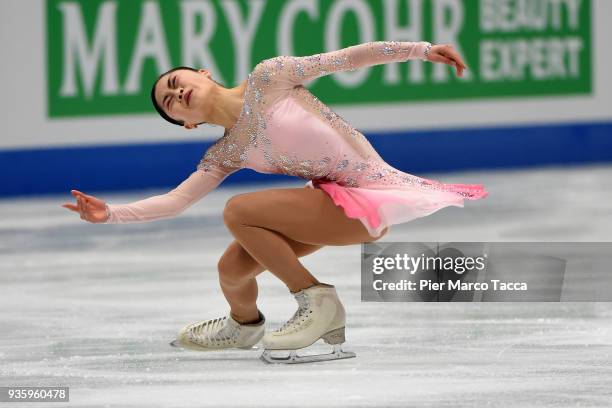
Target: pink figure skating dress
(285,129)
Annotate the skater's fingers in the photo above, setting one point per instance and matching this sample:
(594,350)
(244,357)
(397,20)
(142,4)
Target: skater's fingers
(453,55)
(455,65)
(458,64)
(449,61)
(459,70)
(80,194)
(83,209)
(445,60)
(87,196)
(83,196)
(95,200)
(71,207)
(89,199)
(446,54)
(80,204)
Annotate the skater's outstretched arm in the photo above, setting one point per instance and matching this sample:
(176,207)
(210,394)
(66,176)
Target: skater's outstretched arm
(299,70)
(168,205)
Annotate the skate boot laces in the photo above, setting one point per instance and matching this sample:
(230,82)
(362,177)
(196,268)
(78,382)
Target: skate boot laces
(216,332)
(300,315)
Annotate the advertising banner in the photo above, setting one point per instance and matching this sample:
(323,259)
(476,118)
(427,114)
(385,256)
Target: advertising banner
(104,55)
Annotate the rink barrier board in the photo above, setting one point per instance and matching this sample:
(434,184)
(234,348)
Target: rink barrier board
(95,169)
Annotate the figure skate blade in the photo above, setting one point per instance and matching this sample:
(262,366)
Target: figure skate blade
(294,358)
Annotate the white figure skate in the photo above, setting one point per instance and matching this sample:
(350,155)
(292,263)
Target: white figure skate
(320,315)
(220,333)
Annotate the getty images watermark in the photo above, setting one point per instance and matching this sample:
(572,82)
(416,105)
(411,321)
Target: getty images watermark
(486,272)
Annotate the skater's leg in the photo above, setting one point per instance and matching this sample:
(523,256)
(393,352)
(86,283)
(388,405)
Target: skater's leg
(237,271)
(259,221)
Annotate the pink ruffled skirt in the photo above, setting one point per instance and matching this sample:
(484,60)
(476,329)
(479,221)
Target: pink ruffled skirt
(378,207)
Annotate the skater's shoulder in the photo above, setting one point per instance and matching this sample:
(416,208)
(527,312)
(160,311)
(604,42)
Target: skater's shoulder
(272,74)
(220,156)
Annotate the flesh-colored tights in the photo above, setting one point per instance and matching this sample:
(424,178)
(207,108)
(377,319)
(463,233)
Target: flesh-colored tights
(272,229)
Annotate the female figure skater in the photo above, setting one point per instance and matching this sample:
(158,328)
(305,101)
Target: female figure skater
(273,124)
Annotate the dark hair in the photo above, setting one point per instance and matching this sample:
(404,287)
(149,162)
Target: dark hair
(156,105)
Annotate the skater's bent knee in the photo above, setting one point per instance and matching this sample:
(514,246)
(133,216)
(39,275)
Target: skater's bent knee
(235,209)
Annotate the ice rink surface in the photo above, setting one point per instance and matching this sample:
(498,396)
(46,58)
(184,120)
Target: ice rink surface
(93,307)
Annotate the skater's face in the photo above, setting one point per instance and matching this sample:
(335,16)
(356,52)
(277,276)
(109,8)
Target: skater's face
(185,95)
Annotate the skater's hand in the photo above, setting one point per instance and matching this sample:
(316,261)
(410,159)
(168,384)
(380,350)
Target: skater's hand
(446,54)
(90,208)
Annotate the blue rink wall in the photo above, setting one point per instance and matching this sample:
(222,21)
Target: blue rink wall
(91,169)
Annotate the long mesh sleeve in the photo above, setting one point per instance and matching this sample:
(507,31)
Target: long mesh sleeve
(171,204)
(299,70)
